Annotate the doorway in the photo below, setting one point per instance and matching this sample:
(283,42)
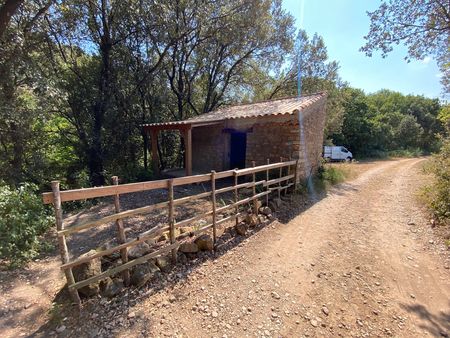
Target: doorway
(238,145)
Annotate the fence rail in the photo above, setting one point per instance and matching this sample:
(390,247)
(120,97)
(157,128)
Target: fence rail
(56,197)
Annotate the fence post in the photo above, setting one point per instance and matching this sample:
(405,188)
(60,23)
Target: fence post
(289,172)
(295,175)
(171,219)
(279,183)
(236,196)
(121,233)
(64,252)
(213,196)
(255,201)
(267,186)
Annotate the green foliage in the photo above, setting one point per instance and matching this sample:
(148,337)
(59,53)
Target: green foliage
(438,194)
(78,79)
(332,175)
(318,72)
(23,219)
(405,153)
(329,175)
(444,117)
(388,123)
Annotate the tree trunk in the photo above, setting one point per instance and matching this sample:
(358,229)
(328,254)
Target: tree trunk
(96,159)
(17,159)
(7,10)
(145,141)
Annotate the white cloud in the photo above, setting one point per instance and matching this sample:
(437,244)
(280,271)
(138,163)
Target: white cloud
(426,60)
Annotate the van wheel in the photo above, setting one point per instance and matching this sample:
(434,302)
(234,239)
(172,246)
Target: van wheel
(348,159)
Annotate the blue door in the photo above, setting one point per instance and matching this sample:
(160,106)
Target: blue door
(238,145)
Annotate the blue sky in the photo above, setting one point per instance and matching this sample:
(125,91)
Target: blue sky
(343,24)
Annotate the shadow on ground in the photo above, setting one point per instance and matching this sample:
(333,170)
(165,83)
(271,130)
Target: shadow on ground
(437,325)
(90,321)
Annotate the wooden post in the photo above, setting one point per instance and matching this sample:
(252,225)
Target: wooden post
(155,158)
(172,220)
(295,175)
(279,183)
(236,194)
(267,187)
(64,252)
(255,201)
(285,182)
(188,151)
(121,233)
(213,196)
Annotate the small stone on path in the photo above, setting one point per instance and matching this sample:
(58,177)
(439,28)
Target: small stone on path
(61,328)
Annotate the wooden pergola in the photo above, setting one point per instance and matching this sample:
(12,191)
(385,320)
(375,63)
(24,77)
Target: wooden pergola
(185,130)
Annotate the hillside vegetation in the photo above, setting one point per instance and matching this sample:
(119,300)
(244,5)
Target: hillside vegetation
(79,78)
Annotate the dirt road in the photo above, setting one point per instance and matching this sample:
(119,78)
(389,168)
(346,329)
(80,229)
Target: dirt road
(360,262)
(351,265)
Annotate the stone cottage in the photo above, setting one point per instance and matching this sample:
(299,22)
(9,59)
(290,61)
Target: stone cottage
(234,136)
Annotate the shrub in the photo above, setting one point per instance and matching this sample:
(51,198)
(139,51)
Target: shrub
(438,195)
(329,174)
(333,175)
(410,152)
(23,219)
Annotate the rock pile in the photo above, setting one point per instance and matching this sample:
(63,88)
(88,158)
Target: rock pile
(141,274)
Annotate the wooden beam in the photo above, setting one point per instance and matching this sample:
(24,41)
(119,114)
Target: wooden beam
(172,220)
(109,190)
(149,234)
(63,250)
(152,128)
(121,233)
(188,151)
(213,200)
(87,193)
(155,158)
(110,218)
(124,266)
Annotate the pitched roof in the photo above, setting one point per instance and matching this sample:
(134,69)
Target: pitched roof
(287,106)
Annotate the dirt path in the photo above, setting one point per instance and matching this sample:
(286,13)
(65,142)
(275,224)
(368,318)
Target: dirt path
(360,262)
(351,265)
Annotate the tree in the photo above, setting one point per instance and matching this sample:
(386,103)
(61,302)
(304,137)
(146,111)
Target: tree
(7,10)
(97,35)
(422,25)
(391,107)
(25,102)
(318,73)
(357,129)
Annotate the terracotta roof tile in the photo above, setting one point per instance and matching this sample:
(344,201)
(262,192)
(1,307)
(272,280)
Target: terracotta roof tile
(287,106)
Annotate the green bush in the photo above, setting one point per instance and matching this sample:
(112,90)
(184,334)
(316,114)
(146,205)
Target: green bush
(329,175)
(411,152)
(438,195)
(333,175)
(23,219)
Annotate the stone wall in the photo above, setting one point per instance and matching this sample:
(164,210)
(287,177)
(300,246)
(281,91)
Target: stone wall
(267,138)
(209,145)
(272,140)
(313,126)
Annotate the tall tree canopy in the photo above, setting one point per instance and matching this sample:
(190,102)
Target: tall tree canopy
(422,25)
(80,77)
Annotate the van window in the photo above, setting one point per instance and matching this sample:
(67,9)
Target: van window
(344,150)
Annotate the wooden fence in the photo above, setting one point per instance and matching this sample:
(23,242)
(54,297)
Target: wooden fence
(286,176)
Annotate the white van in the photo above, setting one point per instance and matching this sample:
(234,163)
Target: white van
(337,153)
